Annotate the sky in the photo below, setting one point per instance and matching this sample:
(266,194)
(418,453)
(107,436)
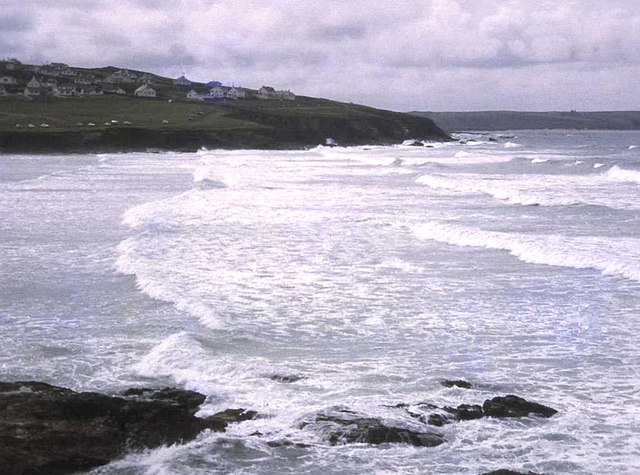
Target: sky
(437,55)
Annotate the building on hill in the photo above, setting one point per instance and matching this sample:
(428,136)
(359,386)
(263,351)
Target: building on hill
(71,73)
(34,83)
(145,79)
(119,91)
(213,84)
(266,92)
(236,93)
(218,92)
(65,91)
(31,91)
(3,91)
(122,76)
(192,94)
(11,64)
(8,80)
(145,91)
(91,91)
(85,79)
(286,95)
(182,81)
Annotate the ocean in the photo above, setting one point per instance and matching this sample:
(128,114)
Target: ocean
(511,260)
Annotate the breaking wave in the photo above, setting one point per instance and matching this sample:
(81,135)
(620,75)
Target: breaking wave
(611,256)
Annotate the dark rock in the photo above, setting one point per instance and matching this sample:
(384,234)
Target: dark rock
(344,427)
(466,412)
(438,420)
(286,378)
(415,143)
(503,471)
(230,416)
(459,383)
(287,443)
(190,400)
(491,139)
(514,406)
(51,430)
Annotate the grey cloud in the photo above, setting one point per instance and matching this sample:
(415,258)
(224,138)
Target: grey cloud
(16,22)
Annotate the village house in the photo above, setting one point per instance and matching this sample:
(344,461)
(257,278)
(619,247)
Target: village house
(145,91)
(266,92)
(122,76)
(85,79)
(65,91)
(11,64)
(69,72)
(192,94)
(34,83)
(285,95)
(119,91)
(91,91)
(145,79)
(3,91)
(218,92)
(213,84)
(182,81)
(8,80)
(31,92)
(236,93)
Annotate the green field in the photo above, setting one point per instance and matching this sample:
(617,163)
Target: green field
(66,113)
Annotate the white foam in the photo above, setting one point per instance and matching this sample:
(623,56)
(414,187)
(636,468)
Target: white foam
(622,174)
(539,160)
(611,256)
(631,147)
(512,145)
(598,165)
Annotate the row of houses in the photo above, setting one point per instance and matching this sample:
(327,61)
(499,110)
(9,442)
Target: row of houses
(226,92)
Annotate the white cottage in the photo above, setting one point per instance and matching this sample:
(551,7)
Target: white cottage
(8,80)
(266,92)
(236,93)
(31,92)
(182,81)
(145,91)
(192,94)
(217,92)
(34,83)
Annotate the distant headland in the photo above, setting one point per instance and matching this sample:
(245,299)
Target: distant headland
(60,108)
(511,120)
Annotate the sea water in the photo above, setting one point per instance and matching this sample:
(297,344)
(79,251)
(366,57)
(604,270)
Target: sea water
(511,261)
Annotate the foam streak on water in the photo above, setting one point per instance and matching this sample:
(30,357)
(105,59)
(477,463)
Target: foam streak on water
(371,273)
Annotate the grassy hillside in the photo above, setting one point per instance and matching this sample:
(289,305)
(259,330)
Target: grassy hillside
(103,115)
(510,120)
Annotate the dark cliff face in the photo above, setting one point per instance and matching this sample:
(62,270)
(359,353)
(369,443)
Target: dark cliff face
(278,131)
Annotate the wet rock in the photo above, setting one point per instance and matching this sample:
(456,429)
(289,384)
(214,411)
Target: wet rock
(286,378)
(230,416)
(344,427)
(503,471)
(459,383)
(287,443)
(51,430)
(438,420)
(190,400)
(514,406)
(466,412)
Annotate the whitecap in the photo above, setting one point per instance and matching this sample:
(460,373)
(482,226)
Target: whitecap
(611,256)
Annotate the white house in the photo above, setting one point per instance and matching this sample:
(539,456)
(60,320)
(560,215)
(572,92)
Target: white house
(85,79)
(217,92)
(119,91)
(286,95)
(69,72)
(182,81)
(65,91)
(236,93)
(192,94)
(266,92)
(122,76)
(8,80)
(145,91)
(31,92)
(145,79)
(91,91)
(34,83)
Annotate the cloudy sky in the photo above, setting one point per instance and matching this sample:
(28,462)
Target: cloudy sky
(403,55)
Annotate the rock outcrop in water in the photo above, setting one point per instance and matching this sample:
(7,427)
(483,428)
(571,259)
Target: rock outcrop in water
(346,427)
(51,430)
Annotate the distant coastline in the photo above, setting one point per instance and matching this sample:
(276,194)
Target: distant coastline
(57,108)
(512,120)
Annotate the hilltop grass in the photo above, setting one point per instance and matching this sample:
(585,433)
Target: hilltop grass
(65,113)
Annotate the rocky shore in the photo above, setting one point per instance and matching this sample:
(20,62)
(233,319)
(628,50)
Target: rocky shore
(51,430)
